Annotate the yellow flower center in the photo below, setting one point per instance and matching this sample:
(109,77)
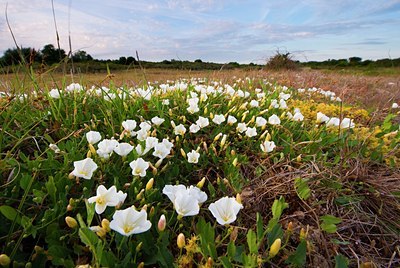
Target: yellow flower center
(100,200)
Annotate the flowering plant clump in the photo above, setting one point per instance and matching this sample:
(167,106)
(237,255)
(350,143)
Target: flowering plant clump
(145,175)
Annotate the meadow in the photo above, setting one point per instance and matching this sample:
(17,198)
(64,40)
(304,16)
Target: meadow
(172,168)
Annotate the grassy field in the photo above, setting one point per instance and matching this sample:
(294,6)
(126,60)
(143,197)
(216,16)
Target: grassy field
(295,168)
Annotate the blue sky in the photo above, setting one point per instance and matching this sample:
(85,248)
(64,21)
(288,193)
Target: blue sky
(219,31)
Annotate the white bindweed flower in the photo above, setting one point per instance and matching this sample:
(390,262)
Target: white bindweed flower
(231,120)
(251,132)
(298,116)
(54,93)
(225,210)
(151,142)
(241,127)
(145,125)
(395,105)
(180,130)
(139,167)
(93,137)
(186,200)
(254,103)
(194,108)
(193,157)
(130,221)
(194,128)
(106,147)
(106,198)
(322,118)
(282,104)
(142,134)
(165,102)
(84,168)
(347,123)
(267,146)
(129,125)
(274,120)
(333,122)
(54,148)
(161,151)
(202,122)
(157,120)
(123,149)
(218,119)
(260,121)
(169,145)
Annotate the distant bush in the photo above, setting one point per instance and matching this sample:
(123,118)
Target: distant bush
(282,61)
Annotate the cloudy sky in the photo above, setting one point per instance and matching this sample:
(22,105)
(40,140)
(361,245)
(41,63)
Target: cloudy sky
(211,30)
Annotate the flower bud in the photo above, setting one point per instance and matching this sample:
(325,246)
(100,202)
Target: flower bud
(235,162)
(209,263)
(275,247)
(69,207)
(149,184)
(141,265)
(205,147)
(239,198)
(172,122)
(183,153)
(89,154)
(211,116)
(180,240)
(92,149)
(303,234)
(158,163)
(162,223)
(217,137)
(4,260)
(105,224)
(140,195)
(71,222)
(200,184)
(139,246)
(290,227)
(144,207)
(298,158)
(223,141)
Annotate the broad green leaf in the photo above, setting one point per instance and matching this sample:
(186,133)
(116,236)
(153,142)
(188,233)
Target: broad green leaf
(231,250)
(341,261)
(276,232)
(207,238)
(260,229)
(252,242)
(225,262)
(329,223)
(302,189)
(12,214)
(90,212)
(278,206)
(89,238)
(51,189)
(298,258)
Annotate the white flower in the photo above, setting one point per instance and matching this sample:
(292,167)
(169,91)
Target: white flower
(142,134)
(274,120)
(145,125)
(194,128)
(282,104)
(123,149)
(106,147)
(194,108)
(284,96)
(74,87)
(202,122)
(347,123)
(333,121)
(129,125)
(130,221)
(260,121)
(169,145)
(54,148)
(165,102)
(54,93)
(186,200)
(298,117)
(193,157)
(161,151)
(251,132)
(322,118)
(139,167)
(106,198)
(93,137)
(180,130)
(225,210)
(267,146)
(151,142)
(218,119)
(241,127)
(157,120)
(84,168)
(254,103)
(231,120)
(395,105)
(274,104)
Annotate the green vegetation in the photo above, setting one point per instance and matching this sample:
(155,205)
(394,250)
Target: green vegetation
(295,176)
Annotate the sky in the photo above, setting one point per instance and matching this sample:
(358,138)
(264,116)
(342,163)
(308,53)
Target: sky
(210,30)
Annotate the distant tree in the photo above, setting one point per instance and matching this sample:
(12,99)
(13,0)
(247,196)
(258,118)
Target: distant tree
(81,56)
(131,60)
(355,60)
(122,60)
(198,61)
(282,61)
(52,55)
(13,56)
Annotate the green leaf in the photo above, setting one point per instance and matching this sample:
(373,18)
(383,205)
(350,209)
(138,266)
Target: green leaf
(231,250)
(226,263)
(278,206)
(89,238)
(276,232)
(90,212)
(302,189)
(252,242)
(329,223)
(260,229)
(207,238)
(13,215)
(51,189)
(298,258)
(341,261)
